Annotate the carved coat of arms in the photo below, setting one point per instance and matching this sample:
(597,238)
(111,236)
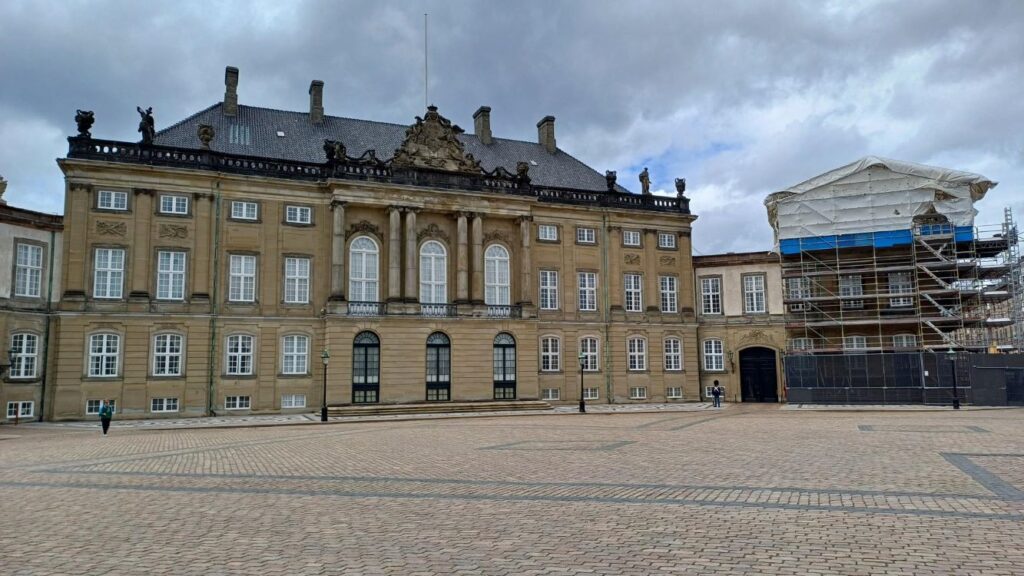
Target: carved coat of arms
(431,143)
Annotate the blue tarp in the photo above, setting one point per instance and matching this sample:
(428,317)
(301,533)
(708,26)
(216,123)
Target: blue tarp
(886,239)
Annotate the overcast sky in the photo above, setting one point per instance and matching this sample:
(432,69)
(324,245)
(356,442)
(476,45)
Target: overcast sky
(741,98)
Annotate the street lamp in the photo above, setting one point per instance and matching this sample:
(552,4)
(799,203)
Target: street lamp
(956,396)
(12,355)
(583,403)
(324,356)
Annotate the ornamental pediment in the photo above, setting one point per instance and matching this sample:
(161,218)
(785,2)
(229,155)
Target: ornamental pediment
(432,143)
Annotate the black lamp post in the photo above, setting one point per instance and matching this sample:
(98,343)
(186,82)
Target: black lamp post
(583,403)
(324,356)
(12,354)
(956,395)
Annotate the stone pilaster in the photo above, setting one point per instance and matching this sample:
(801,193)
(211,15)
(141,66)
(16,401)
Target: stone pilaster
(338,251)
(478,259)
(652,297)
(394,254)
(76,254)
(462,259)
(411,253)
(614,280)
(141,244)
(525,261)
(200,264)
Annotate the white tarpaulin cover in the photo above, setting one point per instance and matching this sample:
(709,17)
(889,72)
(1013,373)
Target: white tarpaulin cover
(874,194)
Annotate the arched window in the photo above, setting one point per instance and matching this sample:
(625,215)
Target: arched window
(362,270)
(504,367)
(433,273)
(366,368)
(673,354)
(588,351)
(636,353)
(496,276)
(167,351)
(714,357)
(240,355)
(439,367)
(104,355)
(25,355)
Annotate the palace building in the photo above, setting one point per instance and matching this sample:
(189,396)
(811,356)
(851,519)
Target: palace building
(241,259)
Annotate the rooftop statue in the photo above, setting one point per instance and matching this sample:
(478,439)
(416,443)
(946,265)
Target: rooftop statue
(609,179)
(146,125)
(645,182)
(84,119)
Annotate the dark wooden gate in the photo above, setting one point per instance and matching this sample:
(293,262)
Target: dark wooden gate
(758,379)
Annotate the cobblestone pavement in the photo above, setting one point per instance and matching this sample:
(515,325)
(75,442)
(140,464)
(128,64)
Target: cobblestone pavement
(747,489)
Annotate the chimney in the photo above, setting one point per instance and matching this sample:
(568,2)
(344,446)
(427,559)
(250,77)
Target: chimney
(316,101)
(546,133)
(482,124)
(231,91)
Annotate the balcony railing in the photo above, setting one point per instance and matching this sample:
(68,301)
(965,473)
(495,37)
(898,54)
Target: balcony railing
(367,308)
(439,310)
(504,311)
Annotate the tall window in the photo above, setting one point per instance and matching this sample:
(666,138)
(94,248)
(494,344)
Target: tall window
(167,355)
(588,291)
(634,293)
(548,290)
(366,368)
(439,367)
(504,363)
(588,350)
(296,280)
(798,289)
(28,272)
(637,353)
(850,285)
(753,294)
(433,273)
(711,295)
(296,354)
(239,355)
(26,355)
(901,283)
(669,294)
(550,354)
(714,357)
(496,276)
(362,270)
(673,354)
(104,354)
(109,273)
(170,275)
(242,287)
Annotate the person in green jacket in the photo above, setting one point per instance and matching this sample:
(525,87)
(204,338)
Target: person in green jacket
(106,413)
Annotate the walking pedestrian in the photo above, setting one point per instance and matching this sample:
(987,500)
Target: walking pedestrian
(716,394)
(106,413)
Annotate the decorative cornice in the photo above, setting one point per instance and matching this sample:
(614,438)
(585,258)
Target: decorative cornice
(392,208)
(336,203)
(524,218)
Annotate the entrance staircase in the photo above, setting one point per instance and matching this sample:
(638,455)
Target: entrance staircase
(436,408)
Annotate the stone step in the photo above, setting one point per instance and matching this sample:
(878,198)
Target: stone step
(436,407)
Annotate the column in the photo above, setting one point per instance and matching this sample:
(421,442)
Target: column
(687,296)
(395,254)
(76,226)
(338,251)
(652,294)
(526,289)
(462,258)
(201,262)
(411,269)
(140,244)
(614,279)
(478,259)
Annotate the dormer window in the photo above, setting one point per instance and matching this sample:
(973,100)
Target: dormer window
(239,134)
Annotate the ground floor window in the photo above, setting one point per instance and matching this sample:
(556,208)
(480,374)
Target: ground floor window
(22,409)
(237,402)
(550,393)
(93,406)
(293,401)
(638,393)
(591,394)
(163,405)
(674,392)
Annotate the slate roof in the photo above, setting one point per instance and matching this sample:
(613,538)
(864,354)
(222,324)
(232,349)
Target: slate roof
(303,141)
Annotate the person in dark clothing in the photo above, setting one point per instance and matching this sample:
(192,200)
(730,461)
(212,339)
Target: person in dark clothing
(716,394)
(106,413)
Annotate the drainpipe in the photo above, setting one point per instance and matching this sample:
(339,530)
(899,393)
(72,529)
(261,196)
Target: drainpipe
(214,300)
(606,306)
(46,330)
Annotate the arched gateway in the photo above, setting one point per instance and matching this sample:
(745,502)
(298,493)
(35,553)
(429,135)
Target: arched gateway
(758,375)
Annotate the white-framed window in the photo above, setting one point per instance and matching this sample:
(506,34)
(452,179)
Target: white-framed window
(587,282)
(901,283)
(239,355)
(298,214)
(433,273)
(673,354)
(591,394)
(296,354)
(801,344)
(638,392)
(588,349)
(163,405)
(172,204)
(753,294)
(242,210)
(242,281)
(20,409)
(293,401)
(170,275)
(167,351)
(550,354)
(25,349)
(237,402)
(104,355)
(714,355)
(28,271)
(631,238)
(711,295)
(549,290)
(296,280)
(93,406)
(798,289)
(851,285)
(108,273)
(636,353)
(669,287)
(855,342)
(363,274)
(547,232)
(550,393)
(634,293)
(586,236)
(674,392)
(904,341)
(112,200)
(666,240)
(496,276)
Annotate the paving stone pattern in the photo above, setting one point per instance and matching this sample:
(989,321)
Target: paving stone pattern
(747,489)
